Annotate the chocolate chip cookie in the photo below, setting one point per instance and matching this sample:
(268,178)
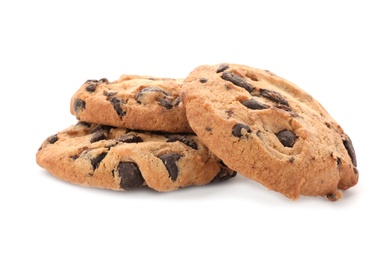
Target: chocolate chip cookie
(135,102)
(120,159)
(269,130)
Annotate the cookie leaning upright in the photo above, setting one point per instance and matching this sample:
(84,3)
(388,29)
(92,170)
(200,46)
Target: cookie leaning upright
(136,102)
(269,130)
(120,159)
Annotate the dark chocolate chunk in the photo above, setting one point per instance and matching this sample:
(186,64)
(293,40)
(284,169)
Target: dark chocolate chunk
(338,162)
(98,136)
(89,81)
(165,103)
(79,105)
(222,67)
(237,129)
(97,160)
(287,138)
(183,139)
(52,139)
(116,102)
(74,157)
(254,104)
(109,93)
(274,96)
(223,175)
(129,138)
(84,123)
(237,80)
(169,160)
(102,127)
(150,89)
(350,149)
(332,197)
(104,80)
(130,175)
(203,80)
(91,87)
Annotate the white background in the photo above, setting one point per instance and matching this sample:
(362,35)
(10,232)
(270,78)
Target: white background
(338,51)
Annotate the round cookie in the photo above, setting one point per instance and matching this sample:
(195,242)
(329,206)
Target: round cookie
(120,159)
(269,130)
(135,102)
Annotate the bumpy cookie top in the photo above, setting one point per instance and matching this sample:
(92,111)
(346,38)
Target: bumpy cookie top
(269,130)
(120,159)
(136,102)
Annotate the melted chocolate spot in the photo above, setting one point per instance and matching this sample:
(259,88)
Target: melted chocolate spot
(130,175)
(169,160)
(116,102)
(183,139)
(237,80)
(97,160)
(350,149)
(79,105)
(238,130)
(203,80)
(287,138)
(222,67)
(254,104)
(274,96)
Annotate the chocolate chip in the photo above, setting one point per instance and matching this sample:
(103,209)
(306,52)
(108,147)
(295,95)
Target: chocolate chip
(332,197)
(274,96)
(237,80)
(102,127)
(203,80)
(129,138)
(89,81)
(109,93)
(84,123)
(254,104)
(164,99)
(116,102)
(240,129)
(169,160)
(150,89)
(165,103)
(130,175)
(52,139)
(74,157)
(183,139)
(338,162)
(223,175)
(350,149)
(97,160)
(222,67)
(98,136)
(287,138)
(104,80)
(79,105)
(91,87)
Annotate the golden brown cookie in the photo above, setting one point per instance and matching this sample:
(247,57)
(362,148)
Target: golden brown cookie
(135,102)
(269,130)
(120,159)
